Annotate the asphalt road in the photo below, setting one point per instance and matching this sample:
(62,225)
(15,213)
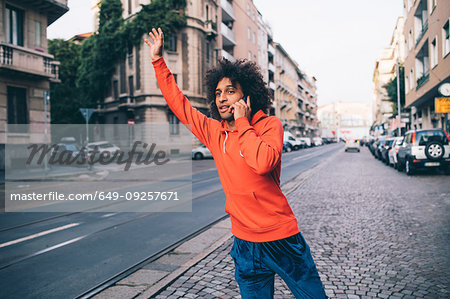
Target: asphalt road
(61,255)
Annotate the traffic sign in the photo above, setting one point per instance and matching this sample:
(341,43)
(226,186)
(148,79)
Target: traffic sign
(87,112)
(131,122)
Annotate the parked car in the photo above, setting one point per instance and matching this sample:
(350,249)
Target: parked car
(68,154)
(422,149)
(393,152)
(292,143)
(352,144)
(103,146)
(306,140)
(384,150)
(317,141)
(378,145)
(201,152)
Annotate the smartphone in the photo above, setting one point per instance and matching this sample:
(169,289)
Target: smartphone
(245,99)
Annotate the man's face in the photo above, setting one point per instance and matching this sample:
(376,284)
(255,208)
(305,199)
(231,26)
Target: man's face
(226,95)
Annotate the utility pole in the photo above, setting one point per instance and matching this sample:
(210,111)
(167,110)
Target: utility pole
(398,101)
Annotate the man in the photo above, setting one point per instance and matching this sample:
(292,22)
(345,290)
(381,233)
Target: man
(247,146)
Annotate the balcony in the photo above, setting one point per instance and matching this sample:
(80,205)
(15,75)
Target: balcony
(227,11)
(14,59)
(211,28)
(421,34)
(228,56)
(422,80)
(271,68)
(54,9)
(272,86)
(271,50)
(228,37)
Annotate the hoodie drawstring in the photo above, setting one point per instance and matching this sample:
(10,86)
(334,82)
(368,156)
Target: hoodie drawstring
(226,133)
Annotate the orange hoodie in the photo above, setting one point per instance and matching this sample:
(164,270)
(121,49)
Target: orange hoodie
(248,161)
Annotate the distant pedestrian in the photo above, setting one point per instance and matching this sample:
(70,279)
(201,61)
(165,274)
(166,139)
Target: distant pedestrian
(247,146)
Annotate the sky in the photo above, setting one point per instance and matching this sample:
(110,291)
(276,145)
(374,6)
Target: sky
(337,42)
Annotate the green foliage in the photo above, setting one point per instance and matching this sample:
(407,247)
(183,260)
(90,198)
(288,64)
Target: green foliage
(65,97)
(86,72)
(391,89)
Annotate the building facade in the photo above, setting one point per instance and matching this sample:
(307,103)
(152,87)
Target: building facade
(427,63)
(386,70)
(26,67)
(135,94)
(230,29)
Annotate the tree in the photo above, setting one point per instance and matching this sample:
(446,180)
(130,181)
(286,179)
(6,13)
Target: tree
(391,89)
(103,50)
(65,98)
(86,69)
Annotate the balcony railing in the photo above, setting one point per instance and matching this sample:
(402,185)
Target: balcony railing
(422,80)
(424,29)
(228,56)
(228,11)
(18,59)
(228,35)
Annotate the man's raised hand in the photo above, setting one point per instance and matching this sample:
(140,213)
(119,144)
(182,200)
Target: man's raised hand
(157,44)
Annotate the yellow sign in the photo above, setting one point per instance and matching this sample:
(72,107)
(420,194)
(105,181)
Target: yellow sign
(442,105)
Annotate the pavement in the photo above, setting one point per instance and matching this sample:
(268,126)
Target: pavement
(373,233)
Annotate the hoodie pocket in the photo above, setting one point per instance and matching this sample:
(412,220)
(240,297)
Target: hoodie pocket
(250,212)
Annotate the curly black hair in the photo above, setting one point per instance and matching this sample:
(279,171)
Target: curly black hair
(248,75)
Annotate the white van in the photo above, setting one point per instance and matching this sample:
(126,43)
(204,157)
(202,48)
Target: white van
(291,142)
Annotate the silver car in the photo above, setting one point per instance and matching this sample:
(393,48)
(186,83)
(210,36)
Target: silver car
(398,141)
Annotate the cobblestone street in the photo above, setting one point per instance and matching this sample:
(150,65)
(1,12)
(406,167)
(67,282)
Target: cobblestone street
(373,232)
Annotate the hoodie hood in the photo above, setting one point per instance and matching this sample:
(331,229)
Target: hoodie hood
(258,116)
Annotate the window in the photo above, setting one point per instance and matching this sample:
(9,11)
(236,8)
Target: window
(123,80)
(254,38)
(130,7)
(172,45)
(248,9)
(131,85)
(14,25)
(207,13)
(249,55)
(174,124)
(138,69)
(249,33)
(410,40)
(37,34)
(130,57)
(116,89)
(406,84)
(432,5)
(433,53)
(17,105)
(208,55)
(445,39)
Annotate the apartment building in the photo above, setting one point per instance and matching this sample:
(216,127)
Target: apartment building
(295,102)
(239,24)
(427,63)
(26,67)
(386,70)
(135,94)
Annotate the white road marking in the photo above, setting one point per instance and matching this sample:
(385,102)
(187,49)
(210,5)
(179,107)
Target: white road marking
(109,215)
(39,234)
